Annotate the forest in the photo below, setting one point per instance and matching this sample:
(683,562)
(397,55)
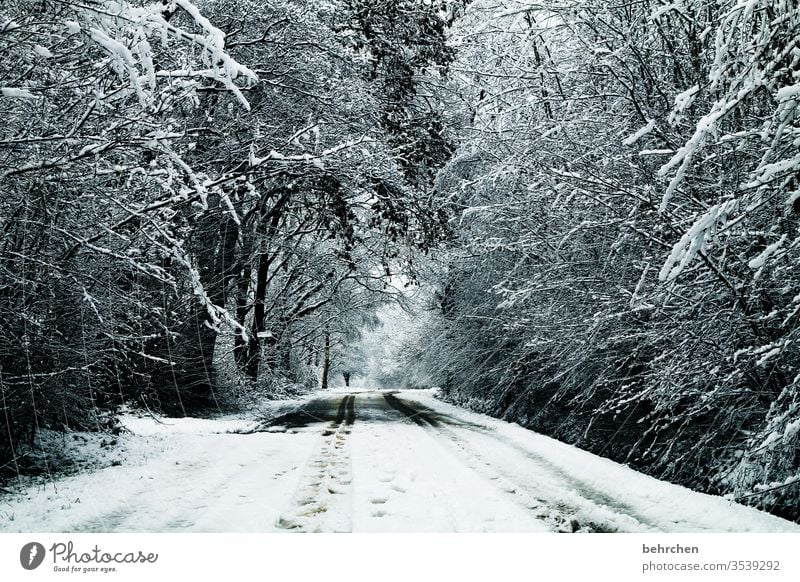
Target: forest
(599,200)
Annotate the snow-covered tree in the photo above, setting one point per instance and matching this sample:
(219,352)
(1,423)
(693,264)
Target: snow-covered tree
(624,276)
(182,176)
(91,175)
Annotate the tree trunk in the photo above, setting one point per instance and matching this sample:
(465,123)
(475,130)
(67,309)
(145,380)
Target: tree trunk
(252,360)
(215,250)
(259,312)
(243,275)
(326,361)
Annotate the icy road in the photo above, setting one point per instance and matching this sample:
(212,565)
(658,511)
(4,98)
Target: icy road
(366,461)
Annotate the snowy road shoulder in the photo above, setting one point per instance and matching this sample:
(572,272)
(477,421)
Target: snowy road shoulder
(658,505)
(179,474)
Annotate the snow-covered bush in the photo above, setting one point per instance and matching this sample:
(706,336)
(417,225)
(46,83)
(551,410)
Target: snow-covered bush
(627,184)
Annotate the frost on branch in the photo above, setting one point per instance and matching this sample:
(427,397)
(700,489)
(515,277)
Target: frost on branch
(131,34)
(755,68)
(695,240)
(99,176)
(139,41)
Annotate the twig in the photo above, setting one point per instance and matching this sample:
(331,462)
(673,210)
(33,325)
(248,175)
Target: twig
(775,488)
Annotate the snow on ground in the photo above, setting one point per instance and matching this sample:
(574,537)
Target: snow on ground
(599,489)
(358,460)
(407,479)
(179,473)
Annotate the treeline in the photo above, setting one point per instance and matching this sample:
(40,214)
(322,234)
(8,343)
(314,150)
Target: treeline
(191,189)
(627,272)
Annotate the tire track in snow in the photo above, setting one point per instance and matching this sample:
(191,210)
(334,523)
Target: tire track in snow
(560,513)
(326,480)
(341,411)
(416,416)
(351,410)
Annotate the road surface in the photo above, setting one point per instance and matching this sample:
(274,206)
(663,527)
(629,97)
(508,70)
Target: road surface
(366,462)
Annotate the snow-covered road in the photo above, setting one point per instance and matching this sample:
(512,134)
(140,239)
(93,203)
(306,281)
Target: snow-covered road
(367,461)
